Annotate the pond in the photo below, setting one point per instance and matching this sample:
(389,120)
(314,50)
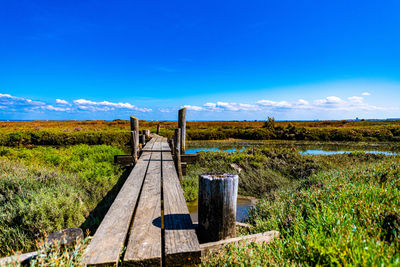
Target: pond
(244,204)
(305,147)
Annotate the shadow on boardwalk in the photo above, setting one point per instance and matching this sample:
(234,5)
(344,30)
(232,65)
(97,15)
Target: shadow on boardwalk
(95,217)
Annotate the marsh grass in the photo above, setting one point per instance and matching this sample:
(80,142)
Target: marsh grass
(43,190)
(347,216)
(329,209)
(56,255)
(116,133)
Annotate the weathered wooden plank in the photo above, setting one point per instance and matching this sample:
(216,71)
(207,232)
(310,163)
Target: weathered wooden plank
(18,259)
(266,237)
(189,158)
(144,244)
(181,244)
(124,160)
(109,238)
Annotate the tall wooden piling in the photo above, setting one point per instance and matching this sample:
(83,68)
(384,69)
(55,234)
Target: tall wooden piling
(182,126)
(158,128)
(134,147)
(135,128)
(143,139)
(217,206)
(177,153)
(147,134)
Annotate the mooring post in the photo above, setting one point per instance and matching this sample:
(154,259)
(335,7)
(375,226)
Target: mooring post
(134,146)
(158,128)
(143,139)
(217,206)
(147,134)
(182,126)
(172,144)
(135,127)
(177,153)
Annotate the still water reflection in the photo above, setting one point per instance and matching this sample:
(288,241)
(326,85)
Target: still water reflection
(242,210)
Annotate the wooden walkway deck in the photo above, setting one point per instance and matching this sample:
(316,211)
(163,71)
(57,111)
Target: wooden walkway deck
(148,223)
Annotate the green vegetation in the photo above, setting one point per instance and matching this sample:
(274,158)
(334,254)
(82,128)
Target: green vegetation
(339,217)
(329,209)
(265,169)
(116,133)
(46,189)
(56,255)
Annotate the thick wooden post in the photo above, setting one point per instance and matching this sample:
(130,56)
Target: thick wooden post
(134,124)
(143,139)
(177,153)
(217,206)
(135,127)
(134,145)
(182,126)
(158,128)
(147,134)
(173,145)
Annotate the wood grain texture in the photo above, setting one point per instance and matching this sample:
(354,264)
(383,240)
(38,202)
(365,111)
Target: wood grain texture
(144,244)
(217,206)
(181,244)
(190,158)
(182,125)
(177,153)
(260,238)
(134,146)
(107,243)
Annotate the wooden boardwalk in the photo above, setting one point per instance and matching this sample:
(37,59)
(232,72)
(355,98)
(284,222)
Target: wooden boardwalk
(148,223)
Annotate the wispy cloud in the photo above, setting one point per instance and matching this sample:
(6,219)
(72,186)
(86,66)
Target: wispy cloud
(84,104)
(327,103)
(62,102)
(366,94)
(9,100)
(14,103)
(53,108)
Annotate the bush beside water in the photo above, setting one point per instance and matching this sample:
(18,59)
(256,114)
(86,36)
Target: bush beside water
(265,169)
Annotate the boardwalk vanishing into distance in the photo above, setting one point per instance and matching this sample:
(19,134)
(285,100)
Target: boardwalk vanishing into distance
(149,222)
(149,216)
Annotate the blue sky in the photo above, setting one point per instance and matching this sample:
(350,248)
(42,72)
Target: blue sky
(223,60)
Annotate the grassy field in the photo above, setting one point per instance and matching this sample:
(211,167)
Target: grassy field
(348,216)
(329,209)
(59,133)
(43,190)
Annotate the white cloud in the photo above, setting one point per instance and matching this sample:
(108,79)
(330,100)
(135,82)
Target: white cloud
(52,108)
(223,106)
(329,103)
(106,105)
(62,102)
(270,103)
(366,94)
(14,104)
(195,108)
(356,99)
(164,110)
(9,100)
(302,103)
